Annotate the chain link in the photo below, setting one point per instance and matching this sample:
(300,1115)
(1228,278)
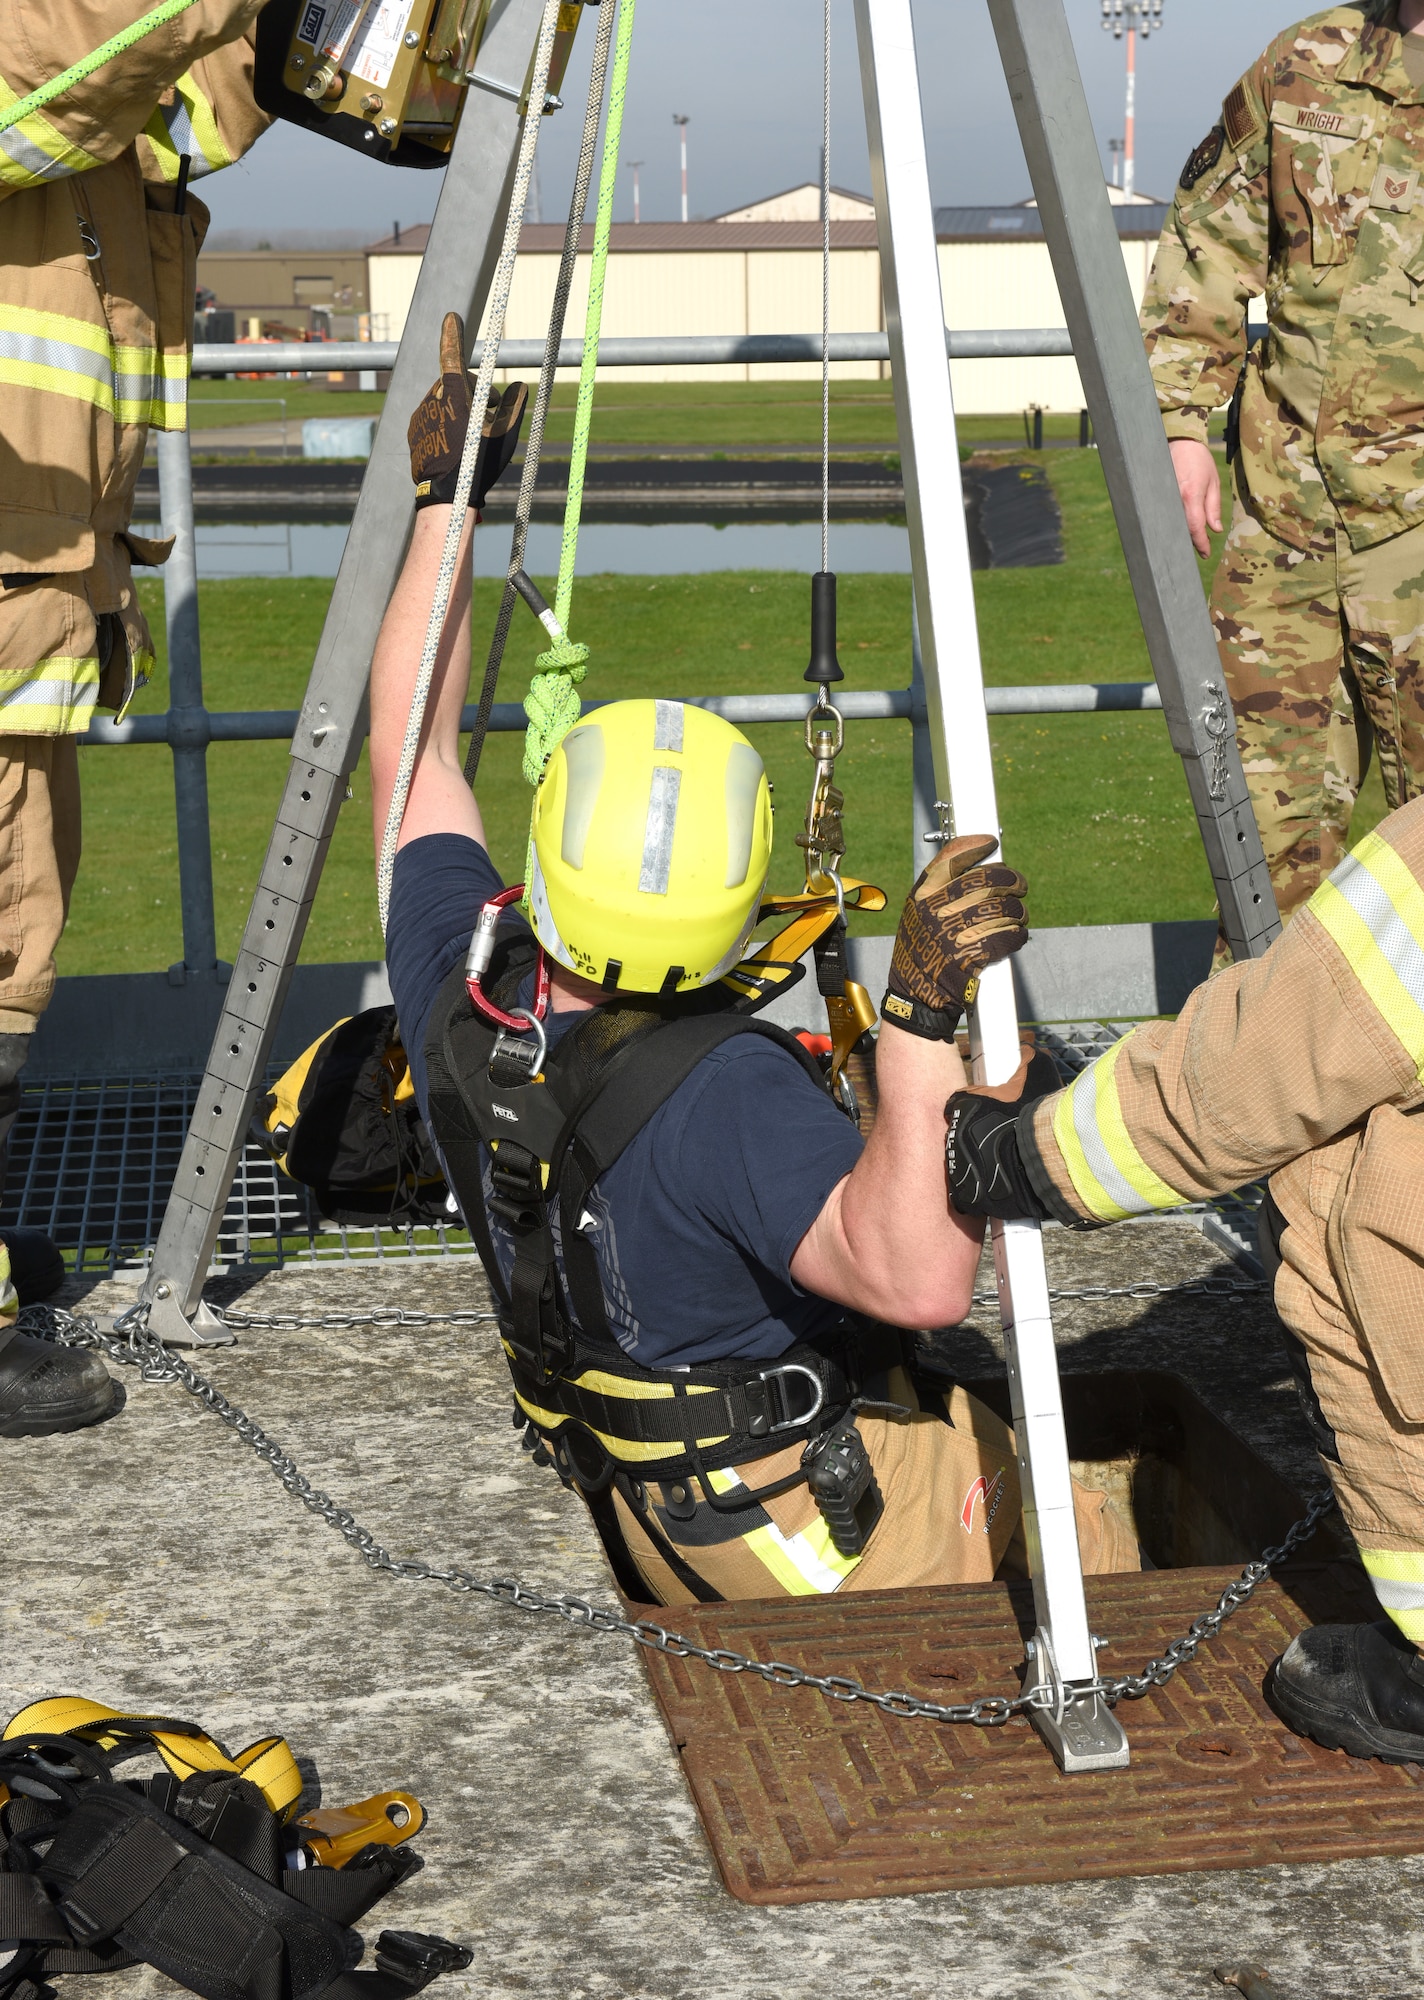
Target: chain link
(339,1322)
(132,1344)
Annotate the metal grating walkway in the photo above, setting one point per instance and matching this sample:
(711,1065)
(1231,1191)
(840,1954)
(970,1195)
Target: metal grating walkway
(93,1160)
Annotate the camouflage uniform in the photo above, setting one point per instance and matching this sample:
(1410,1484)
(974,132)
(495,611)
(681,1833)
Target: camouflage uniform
(1309,191)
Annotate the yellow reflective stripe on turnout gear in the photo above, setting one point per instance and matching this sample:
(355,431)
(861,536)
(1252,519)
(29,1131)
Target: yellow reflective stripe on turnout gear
(34,150)
(268,1763)
(1110,1176)
(187,125)
(805,1565)
(1373,908)
(1398,1581)
(9,1301)
(151,387)
(61,356)
(54,698)
(53,352)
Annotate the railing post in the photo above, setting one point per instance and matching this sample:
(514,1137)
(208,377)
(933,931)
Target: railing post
(189,730)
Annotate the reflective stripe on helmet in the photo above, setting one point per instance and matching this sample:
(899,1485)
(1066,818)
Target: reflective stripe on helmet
(1398,1580)
(1373,908)
(659,829)
(1110,1176)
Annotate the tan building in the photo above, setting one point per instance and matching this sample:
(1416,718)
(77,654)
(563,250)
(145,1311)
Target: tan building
(305,289)
(742,276)
(803,204)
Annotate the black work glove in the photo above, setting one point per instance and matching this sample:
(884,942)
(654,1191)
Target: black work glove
(437,431)
(987,1175)
(957,919)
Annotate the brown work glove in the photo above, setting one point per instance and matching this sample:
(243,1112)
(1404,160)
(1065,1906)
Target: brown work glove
(438,429)
(958,918)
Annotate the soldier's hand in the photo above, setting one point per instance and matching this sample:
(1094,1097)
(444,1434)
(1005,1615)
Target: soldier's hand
(959,917)
(1199,484)
(438,429)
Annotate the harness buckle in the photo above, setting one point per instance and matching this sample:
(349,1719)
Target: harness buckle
(518,1179)
(415,1958)
(765,1421)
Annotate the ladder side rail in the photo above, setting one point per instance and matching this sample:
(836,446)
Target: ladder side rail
(1056,129)
(963,765)
(455,275)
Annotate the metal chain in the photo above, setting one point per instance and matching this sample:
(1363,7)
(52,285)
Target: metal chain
(339,1322)
(135,1346)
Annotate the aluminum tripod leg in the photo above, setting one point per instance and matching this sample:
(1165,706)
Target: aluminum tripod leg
(455,277)
(1085,1735)
(1057,134)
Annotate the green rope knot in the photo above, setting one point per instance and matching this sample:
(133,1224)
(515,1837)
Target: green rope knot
(552,705)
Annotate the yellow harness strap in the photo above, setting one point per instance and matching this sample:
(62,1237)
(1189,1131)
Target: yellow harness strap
(184,1748)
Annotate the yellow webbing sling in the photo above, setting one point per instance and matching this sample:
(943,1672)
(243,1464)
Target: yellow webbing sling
(184,1748)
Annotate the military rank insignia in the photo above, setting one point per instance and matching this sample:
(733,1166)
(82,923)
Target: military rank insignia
(1203,159)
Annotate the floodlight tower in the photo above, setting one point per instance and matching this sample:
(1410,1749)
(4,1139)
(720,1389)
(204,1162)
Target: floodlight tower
(681,121)
(1132,17)
(637,167)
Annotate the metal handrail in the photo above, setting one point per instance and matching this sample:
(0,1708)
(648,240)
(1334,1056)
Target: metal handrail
(193,728)
(692,350)
(188,726)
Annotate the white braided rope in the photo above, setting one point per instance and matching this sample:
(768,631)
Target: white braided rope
(499,306)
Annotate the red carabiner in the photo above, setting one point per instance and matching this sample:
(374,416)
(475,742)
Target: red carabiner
(477,963)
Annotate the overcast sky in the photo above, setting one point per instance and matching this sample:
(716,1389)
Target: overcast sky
(747,73)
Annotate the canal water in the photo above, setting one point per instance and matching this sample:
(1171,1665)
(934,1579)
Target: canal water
(672,548)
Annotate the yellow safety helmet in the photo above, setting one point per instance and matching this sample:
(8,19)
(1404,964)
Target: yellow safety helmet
(652,838)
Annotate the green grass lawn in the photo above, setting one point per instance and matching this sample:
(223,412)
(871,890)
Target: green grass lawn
(1094,807)
(657,414)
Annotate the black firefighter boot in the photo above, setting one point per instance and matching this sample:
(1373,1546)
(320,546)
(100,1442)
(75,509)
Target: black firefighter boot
(1356,1688)
(43,1388)
(36,1262)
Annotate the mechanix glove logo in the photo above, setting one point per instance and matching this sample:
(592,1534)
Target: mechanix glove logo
(1203,159)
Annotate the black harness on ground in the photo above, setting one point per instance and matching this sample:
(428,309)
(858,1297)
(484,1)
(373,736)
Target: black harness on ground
(190,1876)
(601,1416)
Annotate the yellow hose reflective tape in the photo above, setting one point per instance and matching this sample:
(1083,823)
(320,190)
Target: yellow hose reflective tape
(1110,1176)
(1398,1579)
(1373,908)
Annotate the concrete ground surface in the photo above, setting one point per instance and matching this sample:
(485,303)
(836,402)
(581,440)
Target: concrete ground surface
(155,1563)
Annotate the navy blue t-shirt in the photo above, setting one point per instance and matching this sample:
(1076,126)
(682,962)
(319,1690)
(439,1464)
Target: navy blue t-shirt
(696,1224)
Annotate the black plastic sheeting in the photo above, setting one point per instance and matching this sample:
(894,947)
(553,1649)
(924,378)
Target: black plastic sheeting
(1014,522)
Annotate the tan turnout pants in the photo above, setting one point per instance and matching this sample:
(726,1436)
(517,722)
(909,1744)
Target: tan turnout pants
(1305,1066)
(39,859)
(952,1515)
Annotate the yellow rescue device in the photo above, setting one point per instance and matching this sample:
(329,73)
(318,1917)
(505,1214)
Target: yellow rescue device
(386,77)
(652,839)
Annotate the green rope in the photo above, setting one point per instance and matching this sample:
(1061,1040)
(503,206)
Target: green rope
(86,66)
(552,703)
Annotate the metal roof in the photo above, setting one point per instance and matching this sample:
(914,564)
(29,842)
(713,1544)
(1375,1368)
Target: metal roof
(1007,225)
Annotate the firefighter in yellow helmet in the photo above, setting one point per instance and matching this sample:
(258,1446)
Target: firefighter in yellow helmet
(97,284)
(703,1272)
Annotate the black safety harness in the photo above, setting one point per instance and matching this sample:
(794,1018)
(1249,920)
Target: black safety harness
(196,1877)
(530,1148)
